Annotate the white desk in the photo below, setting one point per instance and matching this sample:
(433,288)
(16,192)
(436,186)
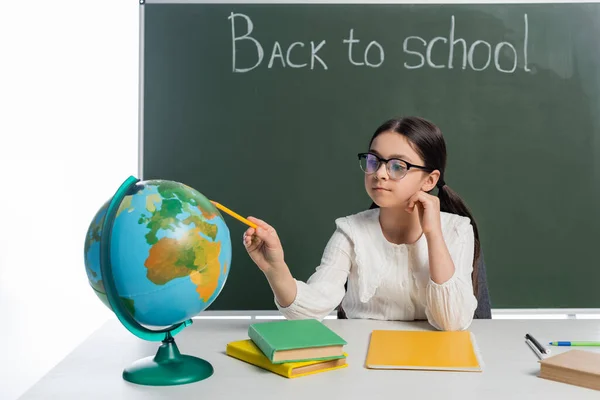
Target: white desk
(93,370)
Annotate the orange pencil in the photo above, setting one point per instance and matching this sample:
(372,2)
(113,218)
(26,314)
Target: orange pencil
(234,214)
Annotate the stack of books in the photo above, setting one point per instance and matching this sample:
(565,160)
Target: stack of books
(575,367)
(291,348)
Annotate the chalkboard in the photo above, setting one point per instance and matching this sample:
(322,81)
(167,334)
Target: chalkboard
(263,107)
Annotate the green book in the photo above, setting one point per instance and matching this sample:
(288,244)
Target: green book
(296,340)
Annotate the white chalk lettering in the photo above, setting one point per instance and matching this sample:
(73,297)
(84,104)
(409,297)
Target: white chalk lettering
(314,56)
(279,54)
(472,51)
(453,43)
(420,51)
(350,42)
(405,47)
(246,36)
(526,42)
(501,55)
(381,55)
(287,55)
(429,47)
(276,53)
(497,57)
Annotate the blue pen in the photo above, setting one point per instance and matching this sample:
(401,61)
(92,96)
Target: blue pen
(574,343)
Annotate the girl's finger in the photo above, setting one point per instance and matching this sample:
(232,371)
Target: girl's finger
(270,240)
(423,198)
(263,225)
(252,242)
(414,198)
(259,222)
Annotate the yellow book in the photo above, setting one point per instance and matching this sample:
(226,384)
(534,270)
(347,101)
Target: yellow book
(423,350)
(247,351)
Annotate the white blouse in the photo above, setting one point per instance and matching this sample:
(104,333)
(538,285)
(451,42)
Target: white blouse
(388,281)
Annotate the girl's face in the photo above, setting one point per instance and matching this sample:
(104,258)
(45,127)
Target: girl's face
(388,191)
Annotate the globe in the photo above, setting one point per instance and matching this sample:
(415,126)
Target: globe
(167,251)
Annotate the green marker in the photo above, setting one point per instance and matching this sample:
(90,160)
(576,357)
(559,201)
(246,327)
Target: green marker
(574,343)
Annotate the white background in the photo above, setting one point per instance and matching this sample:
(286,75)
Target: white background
(68,138)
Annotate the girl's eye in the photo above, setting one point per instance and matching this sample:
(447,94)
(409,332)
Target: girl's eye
(397,169)
(397,166)
(372,163)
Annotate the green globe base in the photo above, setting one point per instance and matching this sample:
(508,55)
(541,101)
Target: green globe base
(168,367)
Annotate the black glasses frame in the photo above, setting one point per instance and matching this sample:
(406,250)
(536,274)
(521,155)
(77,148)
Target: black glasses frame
(386,161)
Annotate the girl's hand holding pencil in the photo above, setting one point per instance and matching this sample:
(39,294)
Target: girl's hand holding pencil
(261,242)
(264,247)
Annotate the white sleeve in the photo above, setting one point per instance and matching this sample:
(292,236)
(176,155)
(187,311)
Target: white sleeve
(324,290)
(451,305)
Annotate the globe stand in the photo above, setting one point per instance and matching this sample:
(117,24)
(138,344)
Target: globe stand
(168,366)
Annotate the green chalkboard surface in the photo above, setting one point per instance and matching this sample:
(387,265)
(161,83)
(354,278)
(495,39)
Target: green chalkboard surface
(263,107)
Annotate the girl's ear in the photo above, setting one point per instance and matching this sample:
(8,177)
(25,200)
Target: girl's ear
(430,181)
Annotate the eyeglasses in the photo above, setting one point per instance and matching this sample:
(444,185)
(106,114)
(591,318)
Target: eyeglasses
(396,168)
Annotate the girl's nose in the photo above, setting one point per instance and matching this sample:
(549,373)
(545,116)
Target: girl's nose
(381,172)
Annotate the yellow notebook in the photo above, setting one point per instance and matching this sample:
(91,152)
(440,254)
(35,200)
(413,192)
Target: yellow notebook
(247,351)
(423,350)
